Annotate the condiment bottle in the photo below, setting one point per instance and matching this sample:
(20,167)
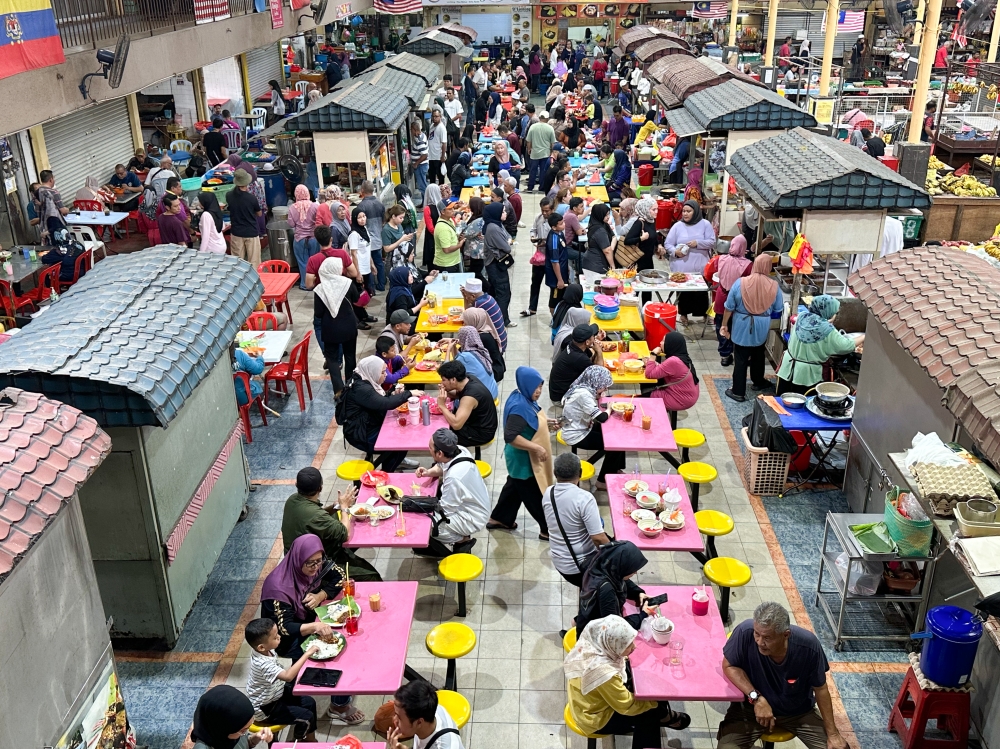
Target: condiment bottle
(626,339)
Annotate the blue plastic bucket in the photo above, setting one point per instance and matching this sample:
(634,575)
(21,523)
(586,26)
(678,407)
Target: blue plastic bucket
(952,640)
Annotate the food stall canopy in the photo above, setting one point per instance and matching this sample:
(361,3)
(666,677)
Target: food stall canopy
(801,170)
(130,342)
(941,306)
(683,76)
(667,99)
(736,105)
(426,69)
(437,42)
(636,37)
(395,81)
(683,123)
(50,449)
(654,49)
(355,104)
(466,33)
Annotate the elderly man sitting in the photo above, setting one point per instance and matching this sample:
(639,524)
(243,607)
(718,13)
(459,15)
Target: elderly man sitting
(465,501)
(782,671)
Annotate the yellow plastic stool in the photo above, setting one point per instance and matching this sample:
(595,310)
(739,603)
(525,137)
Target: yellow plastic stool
(586,470)
(686,439)
(727,573)
(697,473)
(712,523)
(451,641)
(485,469)
(560,440)
(460,568)
(571,725)
(353,470)
(569,639)
(456,705)
(777,736)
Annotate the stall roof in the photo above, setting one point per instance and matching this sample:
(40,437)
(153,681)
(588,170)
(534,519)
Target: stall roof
(47,450)
(943,307)
(658,47)
(668,100)
(410,85)
(130,342)
(801,170)
(465,33)
(355,104)
(409,63)
(436,42)
(639,35)
(735,105)
(683,76)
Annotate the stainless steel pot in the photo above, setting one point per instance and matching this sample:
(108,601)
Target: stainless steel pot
(980,510)
(832,393)
(285,144)
(304,147)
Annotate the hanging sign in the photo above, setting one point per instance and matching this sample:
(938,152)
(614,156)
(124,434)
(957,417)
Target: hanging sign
(277,15)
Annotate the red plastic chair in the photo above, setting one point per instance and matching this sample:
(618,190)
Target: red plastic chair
(296,369)
(274,266)
(261,320)
(48,281)
(89,205)
(83,264)
(245,409)
(12,302)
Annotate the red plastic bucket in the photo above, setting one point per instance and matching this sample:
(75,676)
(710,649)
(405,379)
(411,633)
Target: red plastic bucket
(646,175)
(614,85)
(800,459)
(659,319)
(664,214)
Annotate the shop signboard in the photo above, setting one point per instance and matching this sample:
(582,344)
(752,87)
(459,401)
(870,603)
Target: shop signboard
(277,15)
(343,11)
(591,10)
(442,3)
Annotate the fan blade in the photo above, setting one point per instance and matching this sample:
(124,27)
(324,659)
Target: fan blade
(977,17)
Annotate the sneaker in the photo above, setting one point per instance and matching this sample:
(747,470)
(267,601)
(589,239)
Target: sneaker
(409,463)
(463,547)
(727,361)
(734,396)
(522,225)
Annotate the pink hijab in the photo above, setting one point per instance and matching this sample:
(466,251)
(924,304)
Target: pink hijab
(733,265)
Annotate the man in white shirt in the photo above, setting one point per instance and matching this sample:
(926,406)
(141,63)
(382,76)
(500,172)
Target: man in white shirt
(453,108)
(437,148)
(418,714)
(481,78)
(158,176)
(465,500)
(575,526)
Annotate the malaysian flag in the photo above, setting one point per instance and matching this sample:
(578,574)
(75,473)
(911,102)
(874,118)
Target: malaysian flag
(848,22)
(398,7)
(711,9)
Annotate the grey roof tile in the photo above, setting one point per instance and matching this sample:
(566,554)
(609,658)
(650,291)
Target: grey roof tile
(639,35)
(438,41)
(683,122)
(658,47)
(409,85)
(736,105)
(683,76)
(355,104)
(409,63)
(149,324)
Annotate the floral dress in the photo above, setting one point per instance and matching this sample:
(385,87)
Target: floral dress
(474,239)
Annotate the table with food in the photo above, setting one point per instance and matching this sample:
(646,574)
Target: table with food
(653,512)
(378,517)
(428,357)
(611,316)
(407,430)
(828,409)
(270,345)
(627,361)
(656,281)
(443,316)
(638,425)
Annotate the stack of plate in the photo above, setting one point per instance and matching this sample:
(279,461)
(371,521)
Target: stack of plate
(605,307)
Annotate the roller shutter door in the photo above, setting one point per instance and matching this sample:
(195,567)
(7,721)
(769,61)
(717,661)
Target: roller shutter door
(88,143)
(263,65)
(790,23)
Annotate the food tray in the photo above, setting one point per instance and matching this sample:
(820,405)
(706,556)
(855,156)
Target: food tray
(974,528)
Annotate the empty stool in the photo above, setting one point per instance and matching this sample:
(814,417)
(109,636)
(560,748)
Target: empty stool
(712,523)
(569,639)
(777,736)
(727,573)
(949,709)
(697,473)
(571,725)
(457,706)
(485,469)
(687,439)
(450,641)
(460,568)
(353,470)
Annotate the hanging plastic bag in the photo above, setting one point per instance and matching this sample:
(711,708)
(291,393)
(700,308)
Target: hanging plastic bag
(865,576)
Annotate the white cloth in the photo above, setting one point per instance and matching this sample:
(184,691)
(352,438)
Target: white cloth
(212,239)
(277,103)
(362,251)
(442,719)
(437,142)
(263,684)
(892,242)
(983,554)
(579,518)
(580,409)
(333,285)
(553,59)
(465,500)
(599,652)
(156,174)
(453,108)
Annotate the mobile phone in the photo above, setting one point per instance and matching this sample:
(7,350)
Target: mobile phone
(656,600)
(320,677)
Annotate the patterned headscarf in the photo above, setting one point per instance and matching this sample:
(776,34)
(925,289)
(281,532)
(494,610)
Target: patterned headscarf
(626,209)
(733,265)
(469,340)
(594,378)
(646,210)
(814,325)
(599,654)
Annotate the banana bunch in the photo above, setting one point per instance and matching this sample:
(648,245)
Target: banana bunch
(964,88)
(935,163)
(966,186)
(933,183)
(992,248)
(991,92)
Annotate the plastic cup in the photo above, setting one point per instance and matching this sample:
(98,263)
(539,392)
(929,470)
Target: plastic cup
(375,602)
(402,419)
(351,627)
(676,652)
(348,586)
(699,608)
(627,415)
(647,422)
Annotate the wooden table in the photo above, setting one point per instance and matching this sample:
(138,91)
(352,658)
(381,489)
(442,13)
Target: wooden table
(686,539)
(628,319)
(699,675)
(274,342)
(640,349)
(277,286)
(418,526)
(423,322)
(374,659)
(413,437)
(622,436)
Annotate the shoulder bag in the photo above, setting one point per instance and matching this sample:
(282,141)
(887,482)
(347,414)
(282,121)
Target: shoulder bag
(562,531)
(627,254)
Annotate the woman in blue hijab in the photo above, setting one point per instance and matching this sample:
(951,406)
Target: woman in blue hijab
(813,341)
(621,174)
(401,293)
(520,422)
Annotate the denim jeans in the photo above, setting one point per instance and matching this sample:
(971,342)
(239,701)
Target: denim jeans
(420,175)
(378,274)
(304,249)
(538,167)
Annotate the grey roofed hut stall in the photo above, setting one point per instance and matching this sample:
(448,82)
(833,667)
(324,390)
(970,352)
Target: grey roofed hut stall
(445,48)
(141,344)
(649,52)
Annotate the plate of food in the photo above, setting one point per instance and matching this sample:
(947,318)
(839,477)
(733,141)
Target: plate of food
(634,486)
(433,355)
(335,614)
(383,513)
(391,494)
(403,409)
(427,366)
(374,478)
(607,346)
(632,366)
(456,310)
(362,510)
(437,319)
(455,319)
(678,278)
(328,647)
(672,519)
(640,514)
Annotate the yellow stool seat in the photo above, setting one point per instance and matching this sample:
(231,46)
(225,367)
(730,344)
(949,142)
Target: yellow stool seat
(460,568)
(586,470)
(485,469)
(696,472)
(727,572)
(569,639)
(450,640)
(275,729)
(353,470)
(777,736)
(688,438)
(713,523)
(571,724)
(457,706)
(560,440)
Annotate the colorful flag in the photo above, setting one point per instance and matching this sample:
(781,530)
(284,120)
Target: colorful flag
(30,38)
(398,7)
(711,9)
(848,22)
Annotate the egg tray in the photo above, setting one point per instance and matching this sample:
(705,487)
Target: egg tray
(945,486)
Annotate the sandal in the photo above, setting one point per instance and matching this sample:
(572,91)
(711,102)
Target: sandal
(528,313)
(677,722)
(543,537)
(495,526)
(350,717)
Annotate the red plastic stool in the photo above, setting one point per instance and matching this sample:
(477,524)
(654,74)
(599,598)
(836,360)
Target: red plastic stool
(949,709)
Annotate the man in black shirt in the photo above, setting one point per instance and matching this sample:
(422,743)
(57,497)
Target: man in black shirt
(333,74)
(475,417)
(244,241)
(215,143)
(576,355)
(874,145)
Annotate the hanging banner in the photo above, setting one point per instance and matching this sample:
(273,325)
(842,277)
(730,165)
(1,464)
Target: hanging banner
(30,39)
(277,15)
(206,11)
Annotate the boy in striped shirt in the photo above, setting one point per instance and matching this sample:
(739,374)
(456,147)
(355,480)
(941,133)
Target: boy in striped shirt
(269,686)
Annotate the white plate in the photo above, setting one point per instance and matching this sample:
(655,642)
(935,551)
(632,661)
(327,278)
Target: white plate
(643,486)
(384,513)
(665,519)
(362,510)
(641,514)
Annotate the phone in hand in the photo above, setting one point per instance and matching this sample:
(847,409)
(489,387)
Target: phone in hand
(656,600)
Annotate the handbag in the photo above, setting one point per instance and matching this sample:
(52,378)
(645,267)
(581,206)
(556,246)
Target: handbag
(506,261)
(537,258)
(627,254)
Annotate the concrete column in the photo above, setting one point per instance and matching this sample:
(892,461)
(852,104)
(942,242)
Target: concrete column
(772,29)
(927,50)
(994,41)
(134,122)
(829,38)
(733,13)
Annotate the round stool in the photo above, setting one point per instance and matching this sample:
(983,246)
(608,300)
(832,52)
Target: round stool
(571,725)
(353,470)
(450,641)
(686,439)
(485,469)
(727,573)
(777,736)
(460,568)
(697,473)
(712,523)
(586,470)
(569,639)
(561,441)
(457,706)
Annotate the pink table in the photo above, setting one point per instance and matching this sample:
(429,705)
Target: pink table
(394,438)
(375,657)
(686,539)
(418,526)
(621,436)
(699,676)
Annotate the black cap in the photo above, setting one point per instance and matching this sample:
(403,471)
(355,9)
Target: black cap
(308,481)
(583,333)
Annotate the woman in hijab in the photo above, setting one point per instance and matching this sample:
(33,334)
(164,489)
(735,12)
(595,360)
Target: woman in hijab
(503,159)
(608,585)
(553,93)
(222,718)
(643,235)
(626,216)
(210,224)
(751,303)
(814,340)
(405,199)
(333,308)
(496,112)
(572,299)
(730,267)
(583,416)
(277,101)
(601,241)
(302,218)
(340,227)
(461,172)
(481,109)
(488,336)
(475,357)
(521,420)
(401,293)
(324,211)
(621,174)
(365,407)
(597,673)
(92,191)
(432,197)
(675,375)
(570,135)
(472,250)
(496,245)
(359,244)
(692,190)
(689,243)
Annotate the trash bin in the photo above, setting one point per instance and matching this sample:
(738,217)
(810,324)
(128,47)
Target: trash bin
(279,241)
(952,639)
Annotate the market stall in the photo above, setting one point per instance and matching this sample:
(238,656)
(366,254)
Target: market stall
(649,52)
(445,49)
(677,77)
(635,37)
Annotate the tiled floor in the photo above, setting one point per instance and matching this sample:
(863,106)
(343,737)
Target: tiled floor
(514,676)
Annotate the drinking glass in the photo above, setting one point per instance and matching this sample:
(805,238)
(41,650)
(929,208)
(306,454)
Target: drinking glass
(352,625)
(676,653)
(348,588)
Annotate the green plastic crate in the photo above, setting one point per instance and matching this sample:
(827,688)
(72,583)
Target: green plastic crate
(911,225)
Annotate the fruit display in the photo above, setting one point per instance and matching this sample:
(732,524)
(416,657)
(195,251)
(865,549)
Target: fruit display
(965,186)
(935,163)
(988,250)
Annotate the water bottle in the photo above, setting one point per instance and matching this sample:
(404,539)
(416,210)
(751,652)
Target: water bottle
(425,413)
